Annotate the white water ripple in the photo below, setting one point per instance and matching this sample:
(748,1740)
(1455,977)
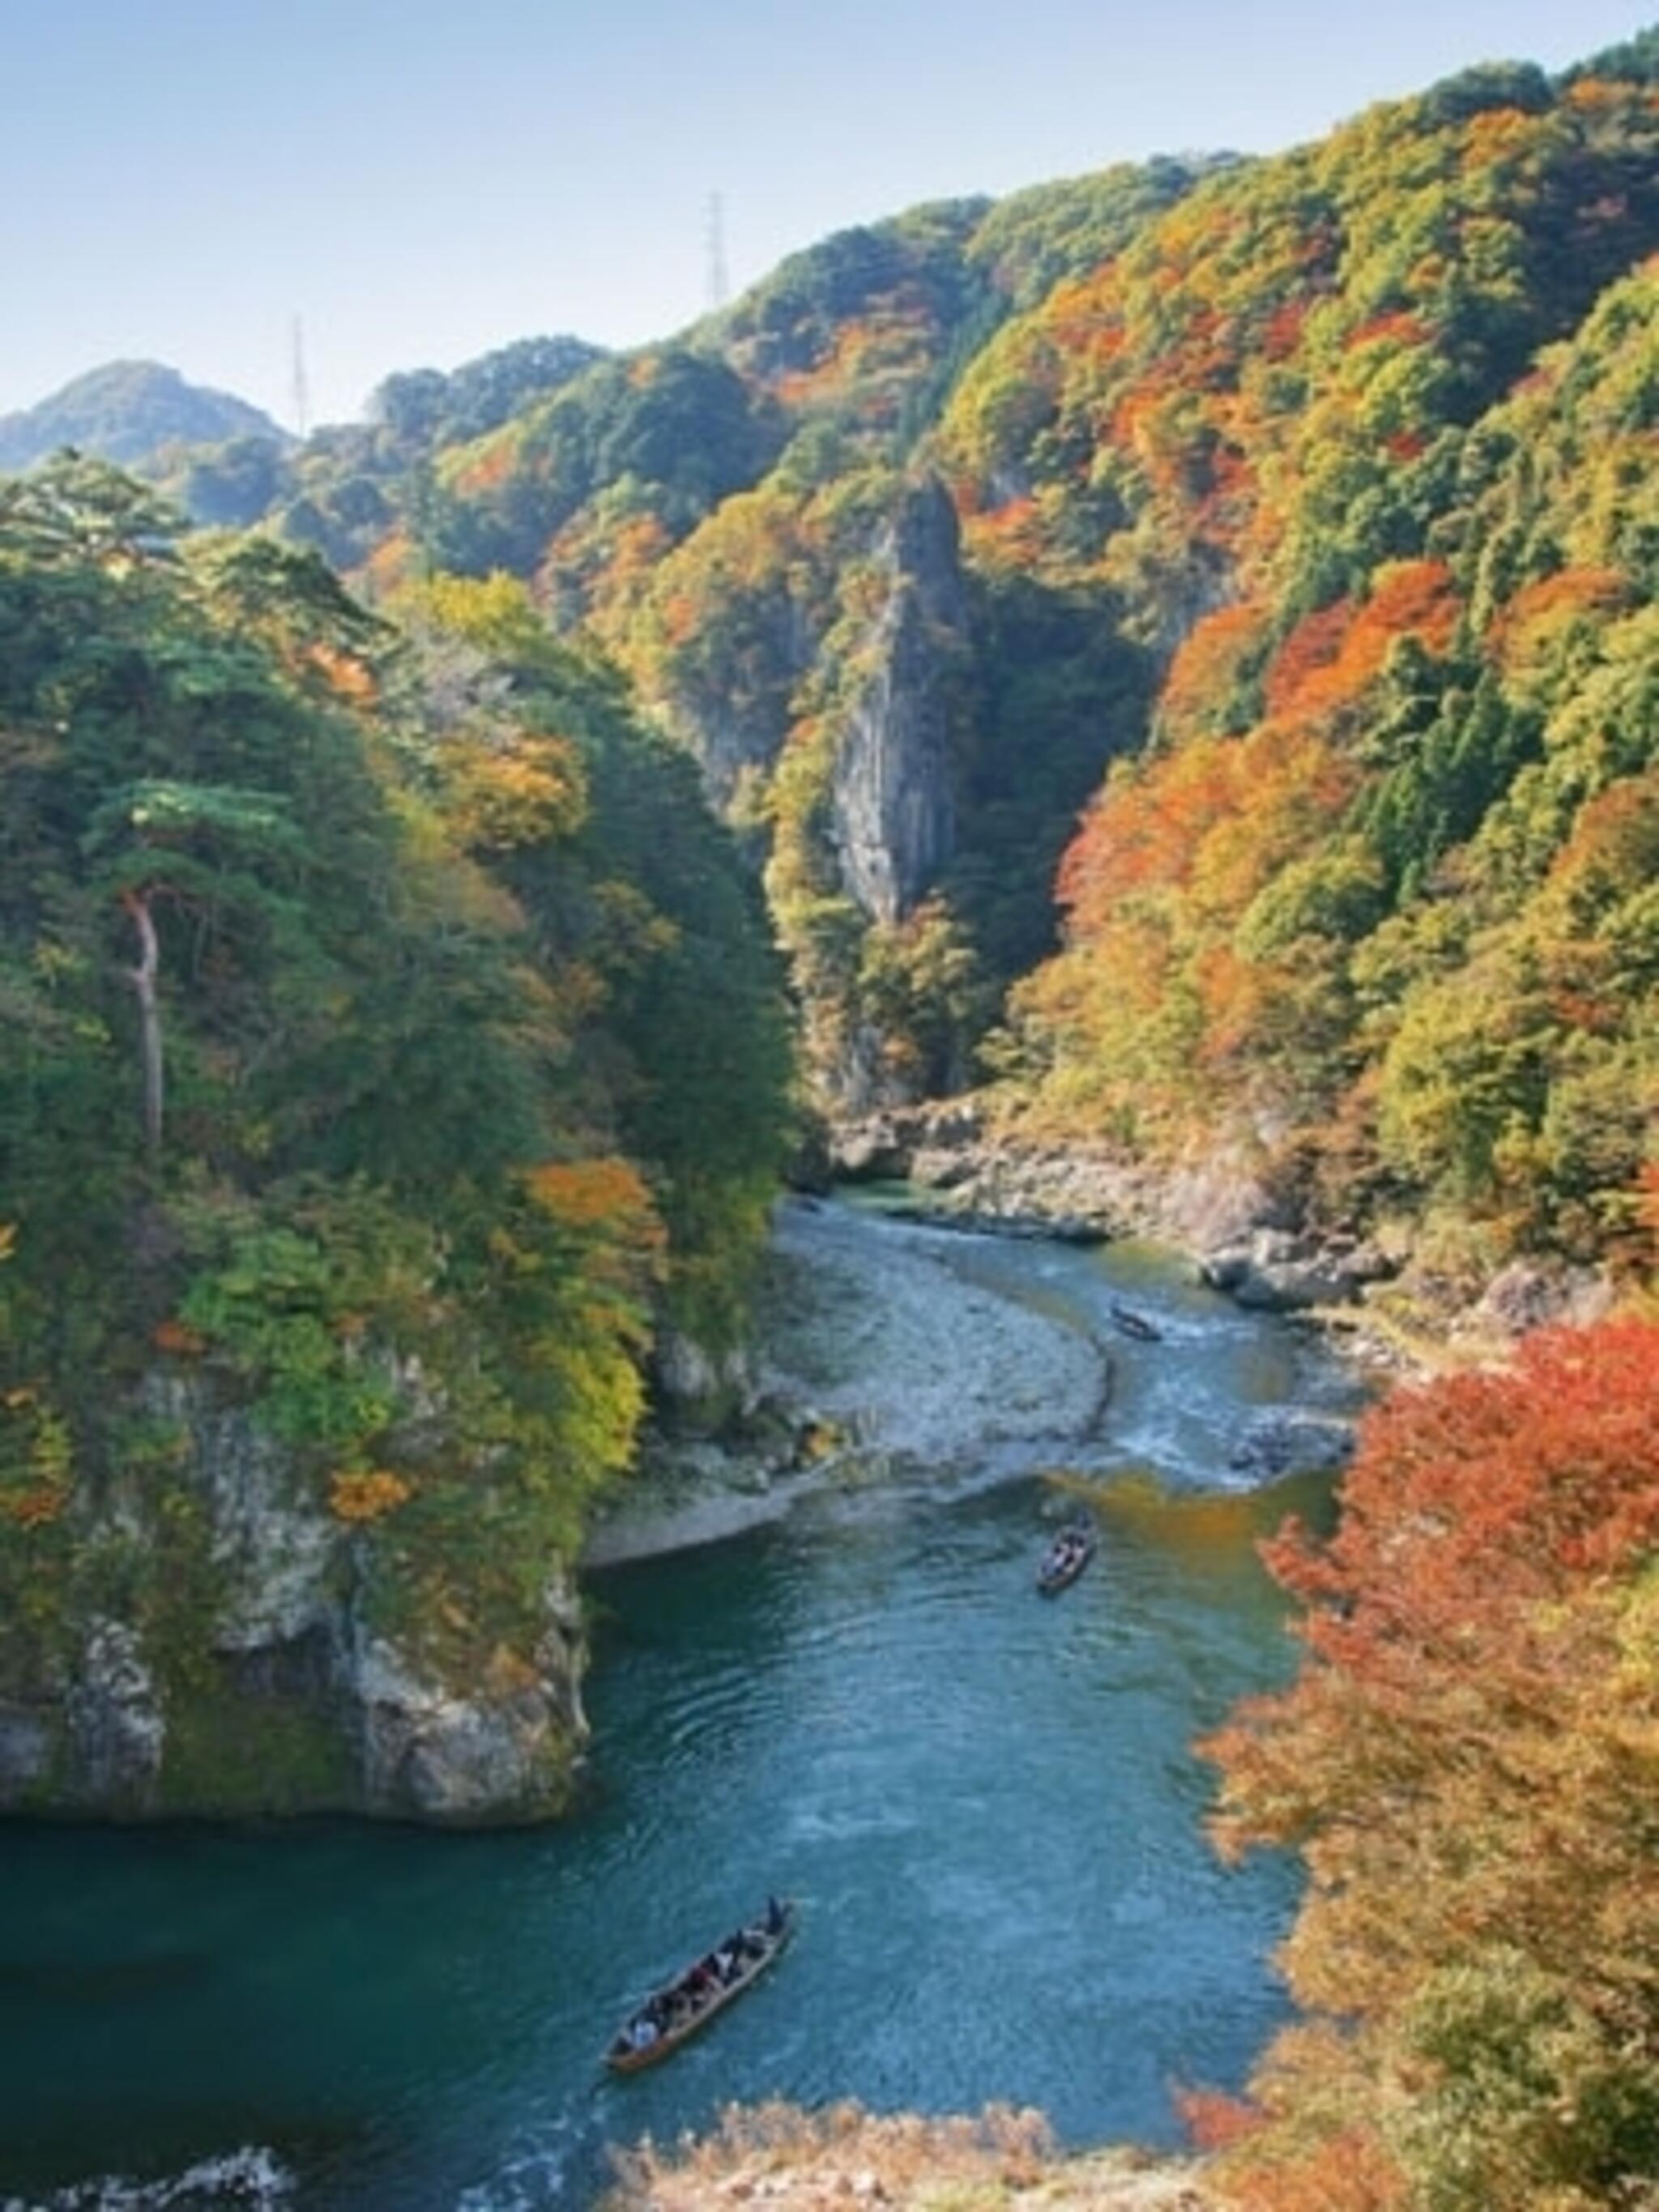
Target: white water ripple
(246,2180)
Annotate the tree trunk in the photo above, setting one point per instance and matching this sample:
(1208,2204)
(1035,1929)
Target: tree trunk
(142,978)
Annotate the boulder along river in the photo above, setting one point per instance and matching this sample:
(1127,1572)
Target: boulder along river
(985,1801)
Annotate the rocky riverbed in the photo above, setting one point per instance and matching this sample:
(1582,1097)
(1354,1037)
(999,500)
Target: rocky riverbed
(1246,1237)
(873,1354)
(1248,1233)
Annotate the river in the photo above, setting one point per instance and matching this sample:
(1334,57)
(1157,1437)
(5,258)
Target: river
(985,1803)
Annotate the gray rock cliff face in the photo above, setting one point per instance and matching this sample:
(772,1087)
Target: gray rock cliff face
(272,1548)
(116,1732)
(895,805)
(895,798)
(242,1668)
(828,698)
(439,1755)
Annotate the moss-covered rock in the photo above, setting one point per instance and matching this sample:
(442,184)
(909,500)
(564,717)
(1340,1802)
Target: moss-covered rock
(211,1649)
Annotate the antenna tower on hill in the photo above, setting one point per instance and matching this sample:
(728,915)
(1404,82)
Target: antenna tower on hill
(719,282)
(299,389)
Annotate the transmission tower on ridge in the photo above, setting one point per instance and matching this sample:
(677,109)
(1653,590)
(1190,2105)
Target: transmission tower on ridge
(300,387)
(719,283)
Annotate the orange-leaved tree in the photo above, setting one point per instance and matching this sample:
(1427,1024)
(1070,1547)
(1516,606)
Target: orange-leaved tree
(1468,1763)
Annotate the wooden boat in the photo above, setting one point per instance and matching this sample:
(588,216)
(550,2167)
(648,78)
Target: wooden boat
(674,2013)
(1135,1324)
(1066,1558)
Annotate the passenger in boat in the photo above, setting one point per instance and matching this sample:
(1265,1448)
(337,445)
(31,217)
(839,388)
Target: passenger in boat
(775,1917)
(1069,1549)
(644,2032)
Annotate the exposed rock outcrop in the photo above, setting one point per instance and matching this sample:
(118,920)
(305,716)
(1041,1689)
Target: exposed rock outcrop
(1249,1233)
(222,1651)
(116,1732)
(695,1390)
(895,795)
(829,716)
(502,1748)
(985,1180)
(1532,1294)
(1243,1233)
(1285,1273)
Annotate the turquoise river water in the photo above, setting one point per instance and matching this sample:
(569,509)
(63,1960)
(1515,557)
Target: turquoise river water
(985,1803)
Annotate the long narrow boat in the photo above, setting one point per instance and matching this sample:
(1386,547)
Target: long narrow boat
(672,2015)
(1065,1559)
(1135,1324)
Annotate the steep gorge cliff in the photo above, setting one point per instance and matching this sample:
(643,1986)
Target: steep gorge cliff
(218,1640)
(895,788)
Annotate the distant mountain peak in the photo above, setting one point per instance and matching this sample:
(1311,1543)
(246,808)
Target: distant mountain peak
(129,411)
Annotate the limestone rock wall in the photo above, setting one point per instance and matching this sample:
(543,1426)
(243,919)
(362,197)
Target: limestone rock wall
(895,786)
(217,1648)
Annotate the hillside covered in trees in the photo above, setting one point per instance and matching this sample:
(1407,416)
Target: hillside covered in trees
(1291,521)
(393,1042)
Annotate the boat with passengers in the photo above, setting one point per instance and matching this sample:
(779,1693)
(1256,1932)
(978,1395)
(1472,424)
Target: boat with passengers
(671,2015)
(1072,1548)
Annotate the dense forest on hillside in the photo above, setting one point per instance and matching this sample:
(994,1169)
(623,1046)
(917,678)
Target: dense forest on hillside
(1311,496)
(1381,876)
(393,1036)
(1467,1765)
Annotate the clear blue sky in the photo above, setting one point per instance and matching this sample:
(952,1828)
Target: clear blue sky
(422,179)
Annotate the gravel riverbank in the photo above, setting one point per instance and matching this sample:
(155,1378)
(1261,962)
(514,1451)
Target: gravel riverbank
(874,1355)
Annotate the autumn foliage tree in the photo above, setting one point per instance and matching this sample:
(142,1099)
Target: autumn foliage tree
(1467,1764)
(388,1034)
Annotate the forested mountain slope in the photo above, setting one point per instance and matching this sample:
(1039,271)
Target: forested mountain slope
(1311,497)
(745,519)
(1315,492)
(392,1038)
(1378,886)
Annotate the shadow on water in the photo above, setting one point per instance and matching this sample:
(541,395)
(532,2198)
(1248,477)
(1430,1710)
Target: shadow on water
(984,1800)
